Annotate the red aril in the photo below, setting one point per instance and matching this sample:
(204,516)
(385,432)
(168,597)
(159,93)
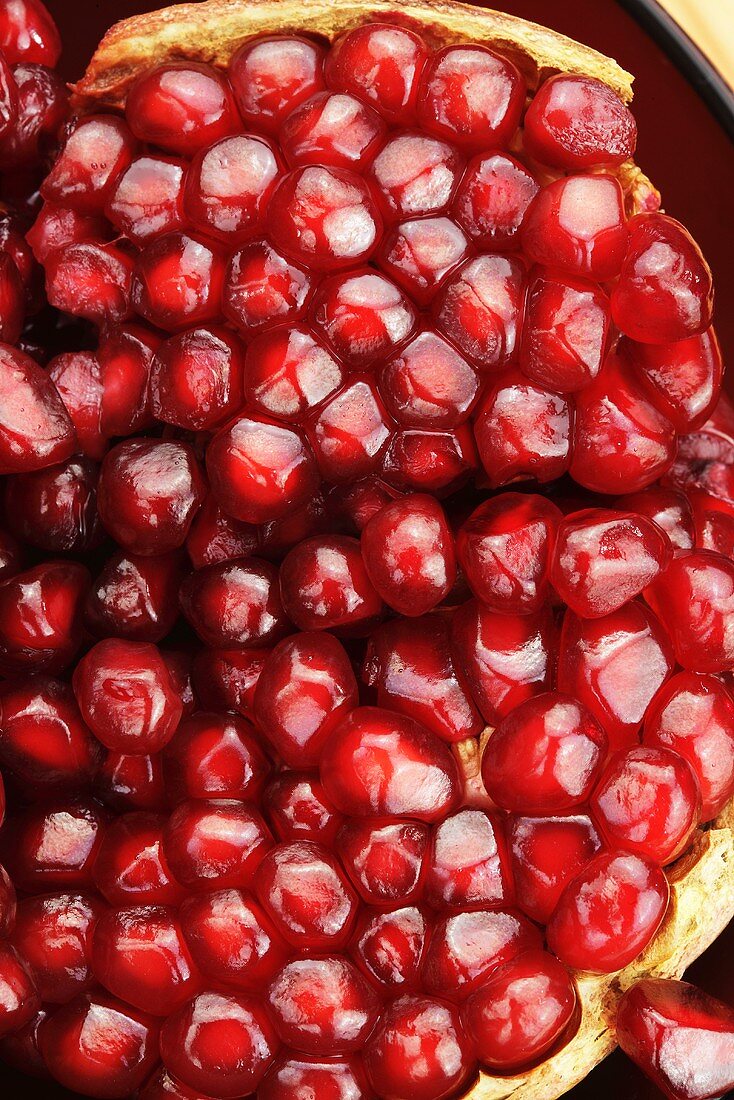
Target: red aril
(545,854)
(225,679)
(234,604)
(684,377)
(35,429)
(53,935)
(466,948)
(298,808)
(272,75)
(231,939)
(214,756)
(325,586)
(289,373)
(29,34)
(131,782)
(134,597)
(92,281)
(196,379)
(332,129)
(295,1075)
(467,866)
(307,896)
(95,155)
(428,384)
(384,859)
(576,122)
(381,65)
(181,107)
(131,867)
(263,288)
(40,617)
(669,509)
(55,508)
(415,174)
(215,843)
(389,947)
(147,199)
(436,462)
(420,254)
(492,200)
(35,866)
(694,600)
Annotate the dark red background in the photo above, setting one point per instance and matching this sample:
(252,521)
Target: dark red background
(689,157)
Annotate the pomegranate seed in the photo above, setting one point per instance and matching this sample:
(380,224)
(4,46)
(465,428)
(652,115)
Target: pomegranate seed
(260,470)
(29,34)
(480,309)
(131,783)
(467,866)
(140,956)
(90,280)
(412,773)
(181,107)
(12,301)
(410,663)
(86,172)
(135,598)
(306,894)
(147,199)
(665,290)
(271,76)
(43,105)
(325,586)
(225,679)
(381,65)
(19,999)
(214,756)
(420,254)
(219,1044)
(8,99)
(215,537)
(234,604)
(229,187)
(389,947)
(296,1074)
(608,914)
(693,600)
(77,376)
(423,461)
(545,756)
(263,288)
(35,428)
(506,659)
(471,96)
(149,492)
(161,1086)
(289,373)
(577,224)
(415,174)
(356,504)
(11,556)
(575,122)
(40,617)
(56,228)
(324,217)
(492,200)
(363,316)
(305,689)
(322,1006)
(466,948)
(54,846)
(667,508)
(505,549)
(545,854)
(350,432)
(684,377)
(419,1050)
(429,384)
(682,1038)
(196,379)
(298,808)
(604,558)
(125,355)
(53,936)
(131,867)
(215,843)
(43,738)
(521,1012)
(55,508)
(384,859)
(179,282)
(332,129)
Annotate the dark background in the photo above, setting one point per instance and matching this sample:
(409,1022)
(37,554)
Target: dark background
(690,158)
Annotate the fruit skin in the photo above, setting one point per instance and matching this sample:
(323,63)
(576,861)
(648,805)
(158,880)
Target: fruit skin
(522,1011)
(590,932)
(679,1036)
(413,773)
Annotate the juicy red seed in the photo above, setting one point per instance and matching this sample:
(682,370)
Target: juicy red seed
(468,864)
(521,1013)
(77,376)
(130,866)
(409,662)
(609,913)
(694,600)
(505,549)
(357,503)
(299,1073)
(229,187)
(289,373)
(575,122)
(471,96)
(148,494)
(181,107)
(215,537)
(419,1050)
(220,1044)
(423,461)
(420,254)
(492,200)
(56,227)
(325,586)
(428,384)
(260,470)
(263,288)
(11,556)
(322,1006)
(332,129)
(306,687)
(669,509)
(127,783)
(648,801)
(43,104)
(565,332)
(20,1048)
(55,508)
(12,301)
(8,99)
(135,597)
(119,1048)
(577,223)
(196,379)
(78,828)
(225,679)
(466,948)
(614,666)
(214,756)
(545,756)
(480,309)
(20,999)
(389,947)
(506,659)
(178,282)
(40,617)
(545,854)
(124,355)
(415,174)
(298,808)
(92,281)
(271,76)
(679,1036)
(363,316)
(215,844)
(86,172)
(324,217)
(684,377)
(350,432)
(409,554)
(147,201)
(234,604)
(29,34)
(412,774)
(605,558)
(665,291)
(380,64)
(384,859)
(693,714)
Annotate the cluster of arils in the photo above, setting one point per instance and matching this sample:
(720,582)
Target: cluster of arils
(325,771)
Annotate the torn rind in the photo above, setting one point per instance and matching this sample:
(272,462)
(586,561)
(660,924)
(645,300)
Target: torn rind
(212,31)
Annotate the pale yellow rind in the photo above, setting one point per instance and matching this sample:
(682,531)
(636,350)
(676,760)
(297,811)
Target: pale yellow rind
(702,883)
